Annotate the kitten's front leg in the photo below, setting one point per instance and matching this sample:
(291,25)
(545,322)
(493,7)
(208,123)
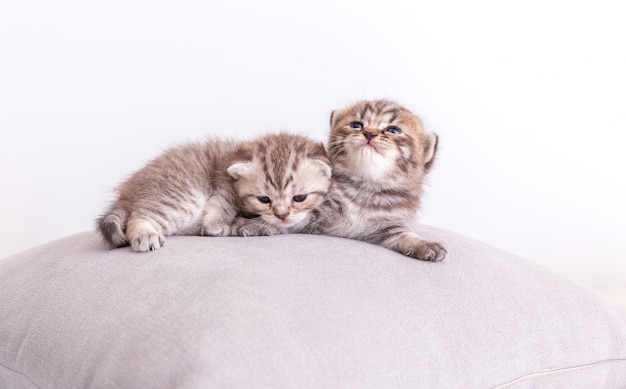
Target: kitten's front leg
(409,244)
(143,234)
(252,227)
(217,217)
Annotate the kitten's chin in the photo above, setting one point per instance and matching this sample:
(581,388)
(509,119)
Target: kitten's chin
(370,163)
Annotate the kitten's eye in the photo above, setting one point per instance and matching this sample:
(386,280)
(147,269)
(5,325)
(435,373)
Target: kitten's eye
(394,130)
(356,125)
(264,199)
(299,198)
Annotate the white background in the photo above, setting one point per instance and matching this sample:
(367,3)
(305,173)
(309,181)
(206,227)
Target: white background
(528,98)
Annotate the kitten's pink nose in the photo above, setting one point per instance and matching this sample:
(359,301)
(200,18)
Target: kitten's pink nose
(281,216)
(369,135)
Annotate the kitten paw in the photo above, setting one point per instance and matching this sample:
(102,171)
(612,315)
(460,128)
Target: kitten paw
(428,251)
(252,227)
(147,242)
(215,229)
(252,230)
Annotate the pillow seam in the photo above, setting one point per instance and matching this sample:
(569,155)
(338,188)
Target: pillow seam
(548,372)
(20,374)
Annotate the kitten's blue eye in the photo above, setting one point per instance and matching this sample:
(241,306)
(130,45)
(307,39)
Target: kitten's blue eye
(264,199)
(356,125)
(394,130)
(299,198)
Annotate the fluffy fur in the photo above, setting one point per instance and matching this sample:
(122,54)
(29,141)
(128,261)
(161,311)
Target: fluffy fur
(214,188)
(380,154)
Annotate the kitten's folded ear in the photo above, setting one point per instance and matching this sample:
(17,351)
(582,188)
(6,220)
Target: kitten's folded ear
(319,157)
(334,117)
(430,141)
(318,151)
(323,166)
(239,169)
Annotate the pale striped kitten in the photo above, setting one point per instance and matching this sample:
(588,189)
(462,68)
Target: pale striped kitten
(210,188)
(380,154)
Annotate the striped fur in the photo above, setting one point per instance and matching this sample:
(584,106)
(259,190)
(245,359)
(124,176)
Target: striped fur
(213,188)
(380,154)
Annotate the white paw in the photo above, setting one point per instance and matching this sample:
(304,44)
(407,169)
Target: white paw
(147,242)
(428,251)
(215,229)
(252,227)
(256,230)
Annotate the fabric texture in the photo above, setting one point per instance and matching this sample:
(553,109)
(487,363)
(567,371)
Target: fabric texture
(299,311)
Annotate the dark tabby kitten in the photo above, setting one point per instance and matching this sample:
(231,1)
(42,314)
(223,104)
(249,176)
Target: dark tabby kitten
(207,189)
(380,154)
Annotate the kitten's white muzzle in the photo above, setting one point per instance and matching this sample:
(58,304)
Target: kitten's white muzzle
(371,161)
(369,147)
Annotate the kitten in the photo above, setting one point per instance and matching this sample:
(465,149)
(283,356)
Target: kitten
(208,188)
(380,154)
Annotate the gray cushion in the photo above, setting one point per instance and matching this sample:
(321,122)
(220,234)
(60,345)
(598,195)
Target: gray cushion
(299,311)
